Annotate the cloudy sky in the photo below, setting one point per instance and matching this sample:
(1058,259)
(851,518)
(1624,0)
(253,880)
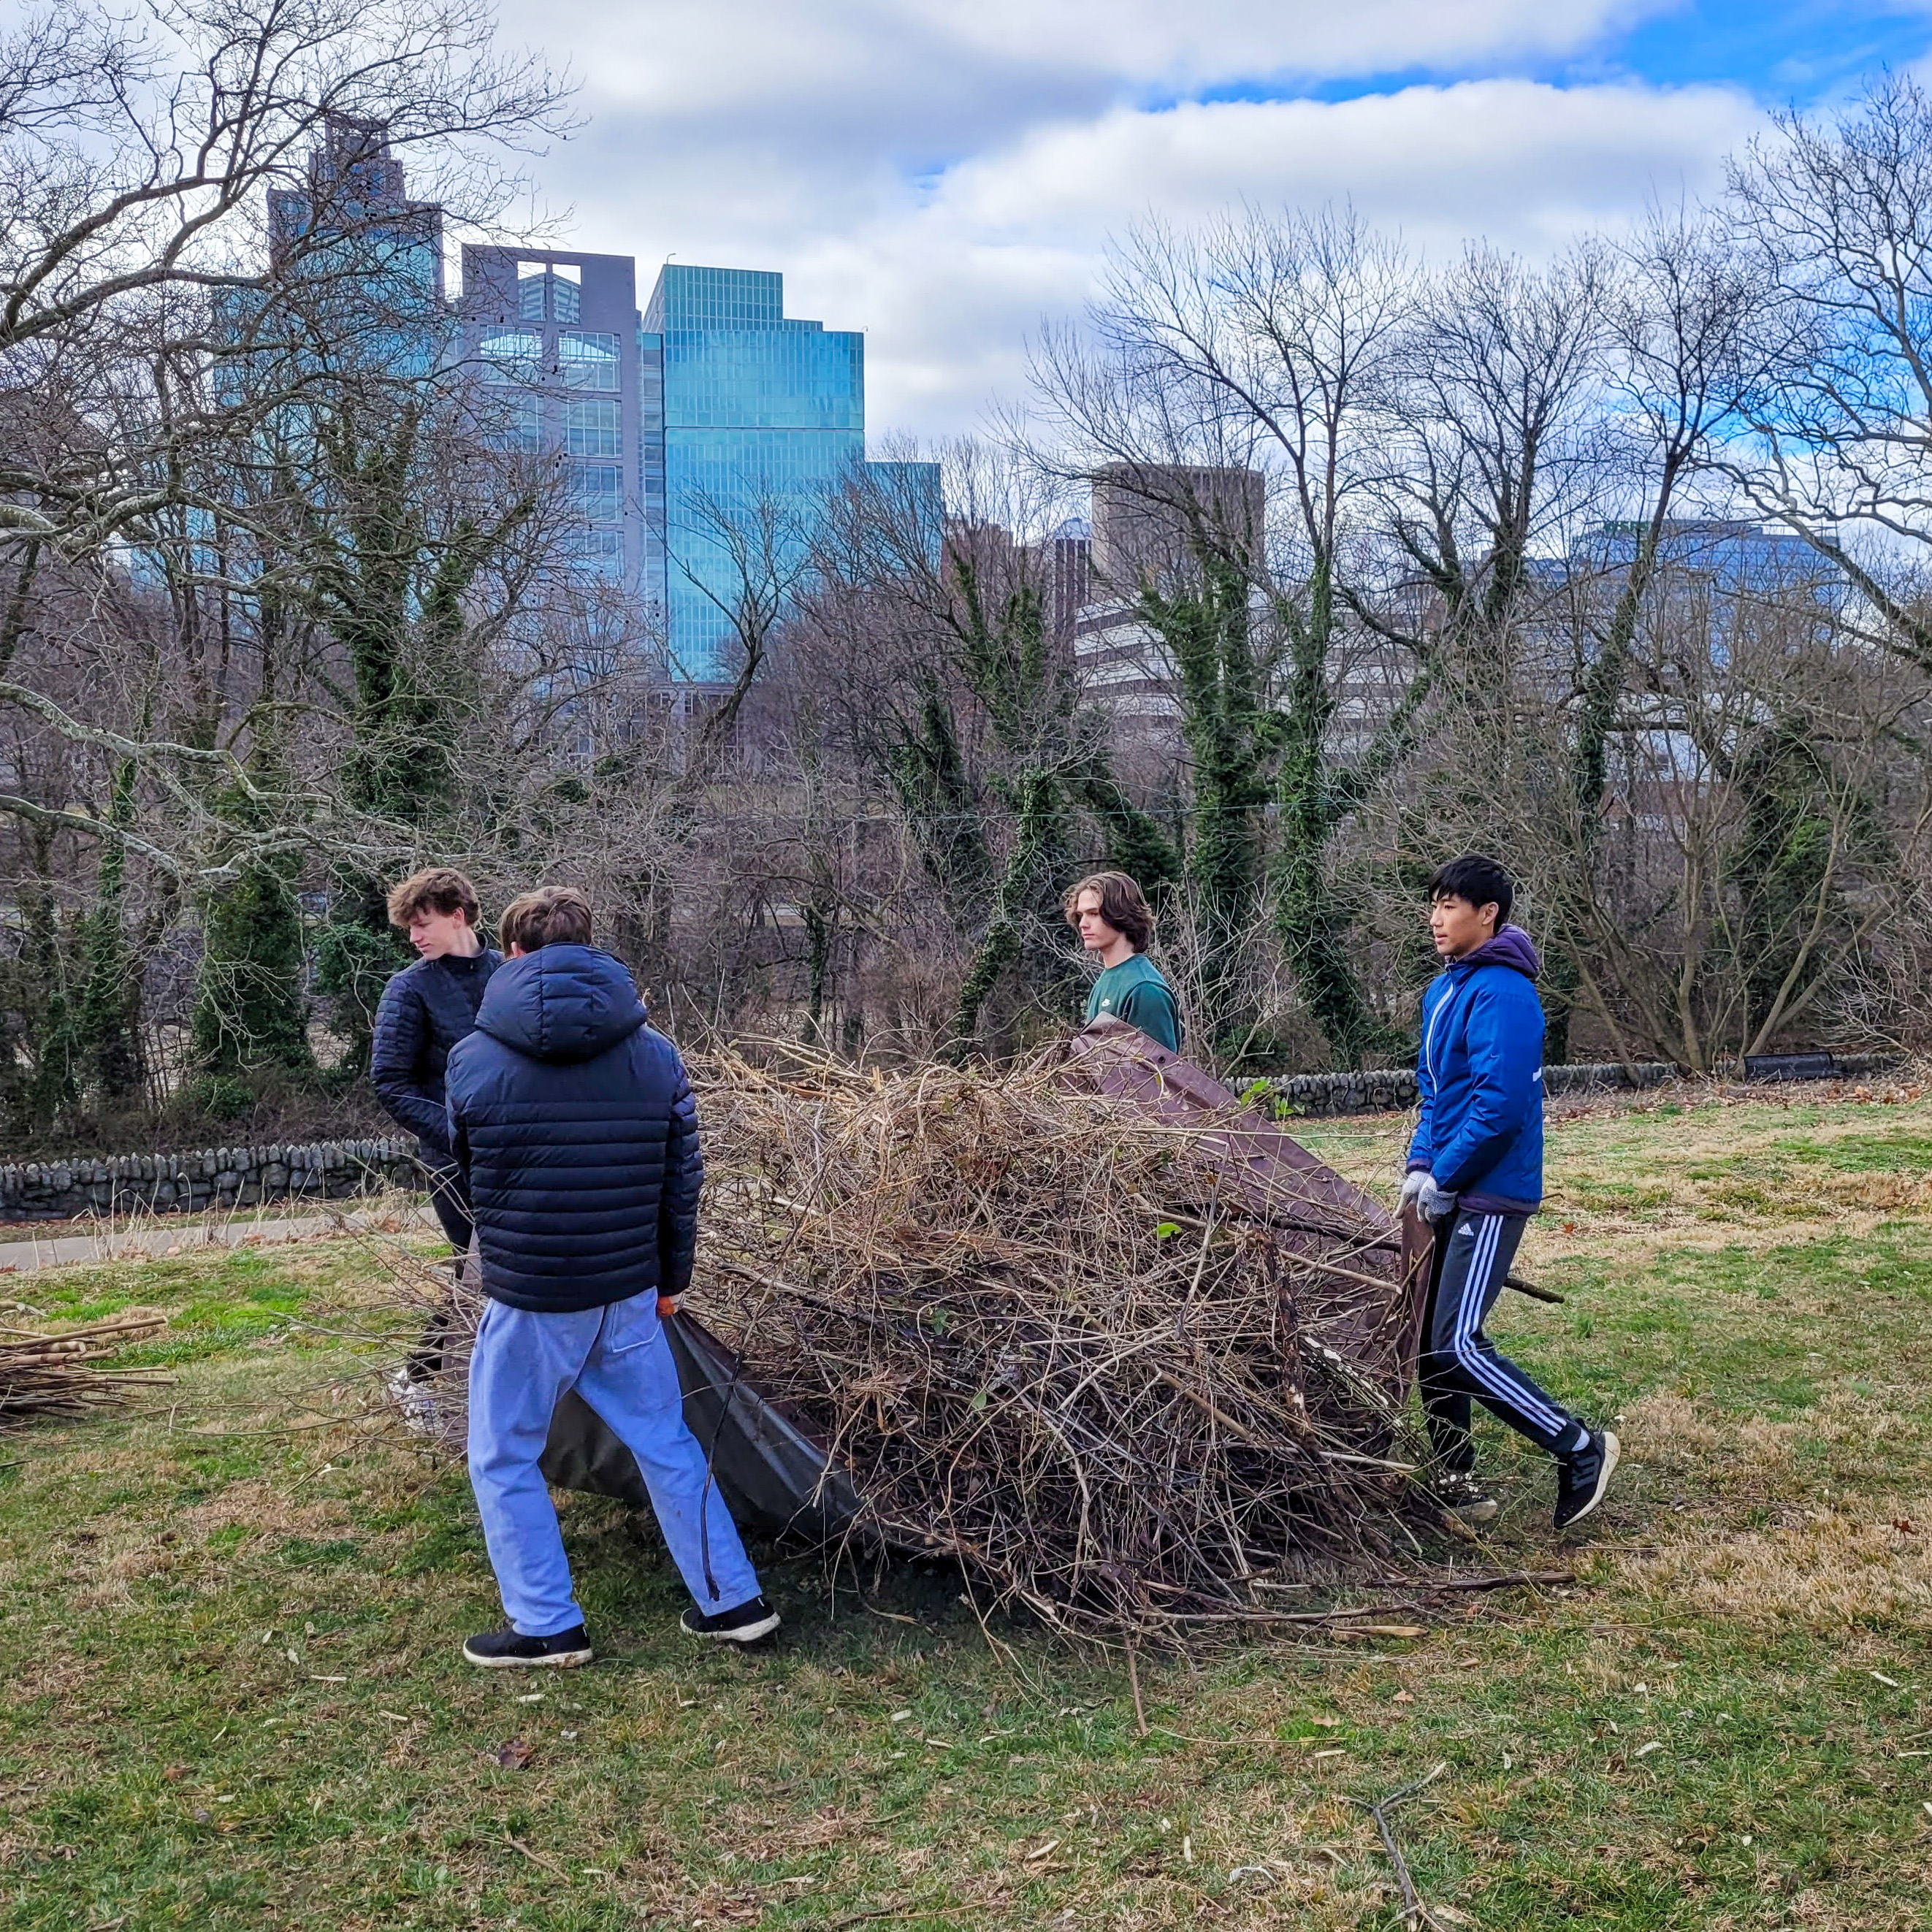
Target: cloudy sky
(944,173)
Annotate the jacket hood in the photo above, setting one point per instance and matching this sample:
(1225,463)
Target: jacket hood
(562,1003)
(1511,946)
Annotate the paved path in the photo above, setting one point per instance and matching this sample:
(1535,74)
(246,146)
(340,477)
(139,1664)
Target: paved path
(24,1254)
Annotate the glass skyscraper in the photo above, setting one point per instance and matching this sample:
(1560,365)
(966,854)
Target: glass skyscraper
(711,422)
(764,414)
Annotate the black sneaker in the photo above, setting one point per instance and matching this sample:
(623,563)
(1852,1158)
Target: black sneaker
(1464,1497)
(744,1623)
(1581,1479)
(506,1650)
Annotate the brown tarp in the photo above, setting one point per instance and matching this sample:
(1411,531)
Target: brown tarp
(1330,1221)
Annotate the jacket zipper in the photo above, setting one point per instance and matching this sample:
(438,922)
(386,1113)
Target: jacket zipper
(1435,1020)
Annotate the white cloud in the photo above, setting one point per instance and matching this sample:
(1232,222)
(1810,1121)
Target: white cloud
(674,62)
(943,176)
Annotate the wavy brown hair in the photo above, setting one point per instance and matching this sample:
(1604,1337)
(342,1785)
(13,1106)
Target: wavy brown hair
(435,888)
(1123,905)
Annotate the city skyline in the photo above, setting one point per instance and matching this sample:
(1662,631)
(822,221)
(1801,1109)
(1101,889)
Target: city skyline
(698,437)
(678,425)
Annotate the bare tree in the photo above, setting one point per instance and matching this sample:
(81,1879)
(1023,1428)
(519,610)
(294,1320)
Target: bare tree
(1675,320)
(1266,343)
(1838,395)
(932,638)
(140,273)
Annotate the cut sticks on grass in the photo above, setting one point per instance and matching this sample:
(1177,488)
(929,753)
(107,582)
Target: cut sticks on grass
(45,1375)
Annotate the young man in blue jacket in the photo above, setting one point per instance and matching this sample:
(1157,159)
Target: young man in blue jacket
(573,1123)
(1475,1168)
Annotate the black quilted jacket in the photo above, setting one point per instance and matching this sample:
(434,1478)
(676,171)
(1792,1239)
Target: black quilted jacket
(573,1121)
(424,1010)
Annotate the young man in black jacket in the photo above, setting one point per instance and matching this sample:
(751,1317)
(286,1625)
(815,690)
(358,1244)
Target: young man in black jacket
(574,1125)
(425,1010)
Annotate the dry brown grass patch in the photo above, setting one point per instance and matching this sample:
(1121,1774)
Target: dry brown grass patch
(1826,1570)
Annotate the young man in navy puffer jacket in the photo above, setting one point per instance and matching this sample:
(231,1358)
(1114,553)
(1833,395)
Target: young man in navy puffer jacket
(1475,1168)
(574,1125)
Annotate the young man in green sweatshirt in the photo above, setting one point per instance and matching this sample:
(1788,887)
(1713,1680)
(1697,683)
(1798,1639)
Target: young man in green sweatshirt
(1109,913)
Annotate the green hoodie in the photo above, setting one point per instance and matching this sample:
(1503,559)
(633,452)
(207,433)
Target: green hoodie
(1134,992)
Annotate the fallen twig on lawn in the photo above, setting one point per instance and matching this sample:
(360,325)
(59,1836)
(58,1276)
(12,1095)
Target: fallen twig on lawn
(1229,1744)
(1535,1294)
(537,1858)
(1134,1680)
(900,1911)
(1512,1580)
(1414,1913)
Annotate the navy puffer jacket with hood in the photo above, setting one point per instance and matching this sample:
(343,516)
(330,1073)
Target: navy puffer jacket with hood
(574,1123)
(1480,1077)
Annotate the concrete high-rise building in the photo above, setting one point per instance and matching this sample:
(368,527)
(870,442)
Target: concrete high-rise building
(1149,518)
(1144,536)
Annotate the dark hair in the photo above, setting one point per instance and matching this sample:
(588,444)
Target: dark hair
(437,888)
(550,916)
(1123,905)
(1479,879)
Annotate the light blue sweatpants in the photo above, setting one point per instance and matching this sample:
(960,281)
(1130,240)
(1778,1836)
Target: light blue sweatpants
(617,1360)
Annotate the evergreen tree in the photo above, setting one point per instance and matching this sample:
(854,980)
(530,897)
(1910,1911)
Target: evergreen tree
(250,1012)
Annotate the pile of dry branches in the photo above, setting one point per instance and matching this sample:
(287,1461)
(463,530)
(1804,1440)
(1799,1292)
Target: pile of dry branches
(51,1376)
(1049,1336)
(1133,1373)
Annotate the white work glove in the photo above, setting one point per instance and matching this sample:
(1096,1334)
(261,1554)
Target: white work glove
(1438,1203)
(1413,1183)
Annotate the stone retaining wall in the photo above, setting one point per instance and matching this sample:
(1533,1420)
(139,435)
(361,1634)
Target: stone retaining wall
(229,1177)
(1390,1088)
(217,1178)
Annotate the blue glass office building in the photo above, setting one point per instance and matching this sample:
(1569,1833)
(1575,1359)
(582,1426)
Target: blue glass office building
(711,408)
(713,411)
(764,414)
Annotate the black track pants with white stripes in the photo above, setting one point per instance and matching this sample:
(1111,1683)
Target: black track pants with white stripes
(1473,1253)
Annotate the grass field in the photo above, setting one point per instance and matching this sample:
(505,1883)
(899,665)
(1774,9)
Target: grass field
(232,1698)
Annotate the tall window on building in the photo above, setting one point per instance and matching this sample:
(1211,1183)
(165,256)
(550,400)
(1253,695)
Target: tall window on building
(531,279)
(590,429)
(587,360)
(593,552)
(518,425)
(597,492)
(566,291)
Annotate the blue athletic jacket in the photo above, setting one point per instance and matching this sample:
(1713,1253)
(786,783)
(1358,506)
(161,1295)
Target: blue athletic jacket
(1480,1074)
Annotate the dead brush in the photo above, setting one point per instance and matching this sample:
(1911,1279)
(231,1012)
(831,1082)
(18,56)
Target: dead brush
(1079,1349)
(1046,1337)
(52,1375)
